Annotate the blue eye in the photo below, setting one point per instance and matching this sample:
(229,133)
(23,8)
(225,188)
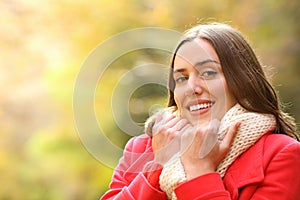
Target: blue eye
(180,79)
(208,74)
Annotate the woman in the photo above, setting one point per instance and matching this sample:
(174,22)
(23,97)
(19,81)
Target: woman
(223,135)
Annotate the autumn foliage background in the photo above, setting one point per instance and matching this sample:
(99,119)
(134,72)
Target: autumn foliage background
(43,44)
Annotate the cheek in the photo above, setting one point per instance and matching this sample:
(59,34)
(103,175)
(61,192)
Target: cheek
(220,92)
(230,100)
(217,89)
(226,96)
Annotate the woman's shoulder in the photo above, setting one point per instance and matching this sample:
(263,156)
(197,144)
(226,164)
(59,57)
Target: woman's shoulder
(279,140)
(274,143)
(270,147)
(139,144)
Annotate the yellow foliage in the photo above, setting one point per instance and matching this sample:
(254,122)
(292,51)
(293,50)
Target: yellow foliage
(43,47)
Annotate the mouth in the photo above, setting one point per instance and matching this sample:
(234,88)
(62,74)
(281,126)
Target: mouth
(200,106)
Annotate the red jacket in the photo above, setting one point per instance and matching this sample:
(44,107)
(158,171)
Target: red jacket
(269,170)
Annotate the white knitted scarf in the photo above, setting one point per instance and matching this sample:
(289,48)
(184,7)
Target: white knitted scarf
(253,126)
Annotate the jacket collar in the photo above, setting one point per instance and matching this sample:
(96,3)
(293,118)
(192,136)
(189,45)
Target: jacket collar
(246,169)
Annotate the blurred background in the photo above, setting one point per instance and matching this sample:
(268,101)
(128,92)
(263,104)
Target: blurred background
(43,45)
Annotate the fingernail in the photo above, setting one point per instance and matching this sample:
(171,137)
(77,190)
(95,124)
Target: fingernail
(237,125)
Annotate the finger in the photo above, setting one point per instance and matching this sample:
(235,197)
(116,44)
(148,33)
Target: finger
(187,137)
(172,122)
(231,133)
(210,139)
(161,120)
(171,147)
(167,128)
(180,124)
(163,117)
(185,128)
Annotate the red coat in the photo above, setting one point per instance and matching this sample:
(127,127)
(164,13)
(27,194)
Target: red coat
(269,170)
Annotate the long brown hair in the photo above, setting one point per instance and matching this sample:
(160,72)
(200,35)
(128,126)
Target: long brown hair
(243,72)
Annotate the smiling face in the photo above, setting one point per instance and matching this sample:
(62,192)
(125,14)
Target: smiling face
(201,91)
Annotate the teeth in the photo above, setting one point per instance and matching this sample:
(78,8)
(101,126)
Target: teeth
(200,106)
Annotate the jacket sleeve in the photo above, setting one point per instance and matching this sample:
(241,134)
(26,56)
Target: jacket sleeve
(128,181)
(282,177)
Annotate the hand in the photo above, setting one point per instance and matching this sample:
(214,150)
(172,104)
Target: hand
(166,136)
(201,151)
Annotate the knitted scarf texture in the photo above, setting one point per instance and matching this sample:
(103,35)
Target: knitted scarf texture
(253,126)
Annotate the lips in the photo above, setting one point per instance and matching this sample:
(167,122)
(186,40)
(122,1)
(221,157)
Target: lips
(199,105)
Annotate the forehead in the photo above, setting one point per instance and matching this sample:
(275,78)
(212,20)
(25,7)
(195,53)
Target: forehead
(195,51)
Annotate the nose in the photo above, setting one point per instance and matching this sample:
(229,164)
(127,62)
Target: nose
(195,85)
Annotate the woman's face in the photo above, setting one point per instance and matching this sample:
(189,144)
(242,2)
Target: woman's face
(201,91)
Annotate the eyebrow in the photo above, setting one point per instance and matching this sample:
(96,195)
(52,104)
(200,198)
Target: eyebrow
(206,61)
(198,64)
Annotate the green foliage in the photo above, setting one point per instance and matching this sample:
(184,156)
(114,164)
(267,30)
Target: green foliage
(43,45)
